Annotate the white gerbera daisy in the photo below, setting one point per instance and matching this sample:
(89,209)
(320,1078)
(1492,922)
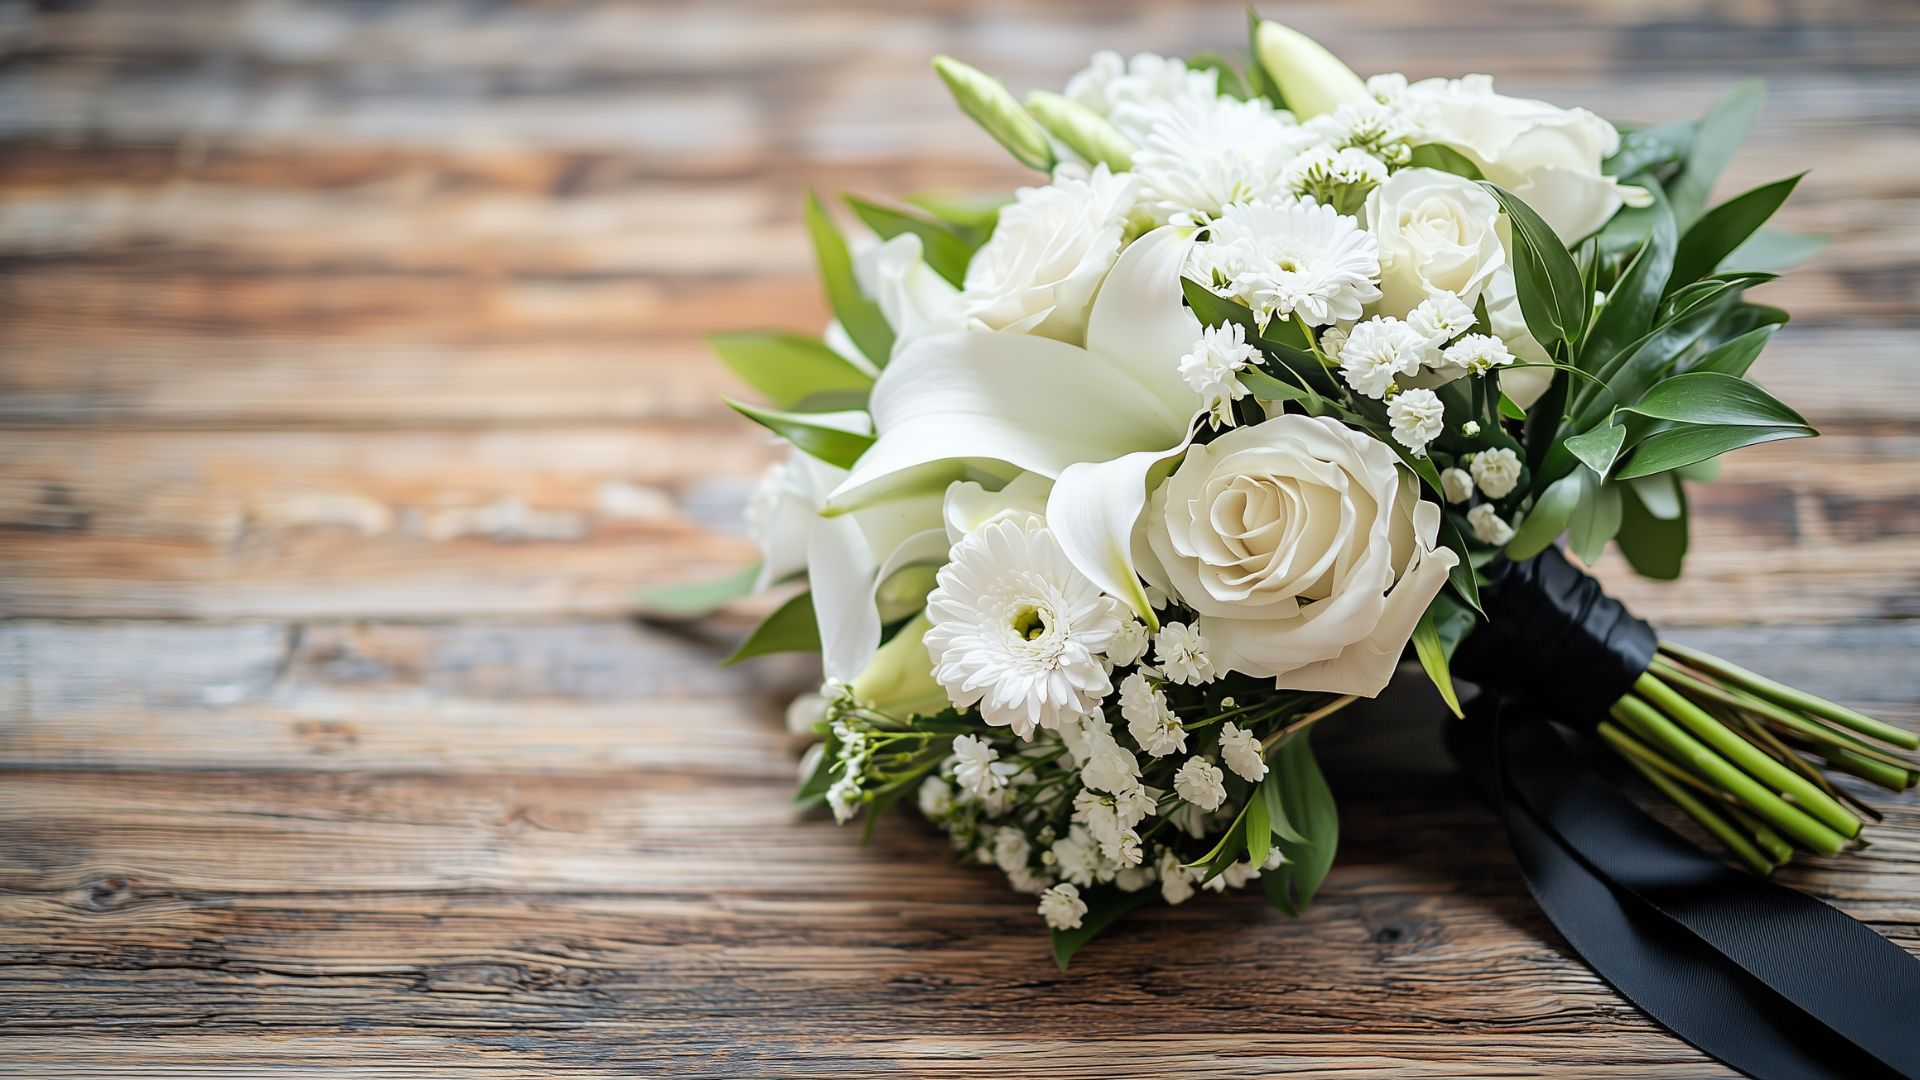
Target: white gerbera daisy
(1017,631)
(1377,350)
(1213,369)
(1299,259)
(1202,156)
(1417,417)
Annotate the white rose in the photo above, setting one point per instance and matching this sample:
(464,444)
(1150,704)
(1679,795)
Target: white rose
(1049,253)
(913,299)
(1304,548)
(1438,233)
(1550,157)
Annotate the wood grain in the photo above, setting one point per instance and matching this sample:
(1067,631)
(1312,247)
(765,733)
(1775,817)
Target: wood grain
(351,382)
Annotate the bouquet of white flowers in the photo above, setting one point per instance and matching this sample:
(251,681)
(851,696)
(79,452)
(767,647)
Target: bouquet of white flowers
(1107,494)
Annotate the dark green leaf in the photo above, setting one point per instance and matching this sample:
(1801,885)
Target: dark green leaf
(809,433)
(1630,308)
(1511,409)
(789,368)
(1433,657)
(1543,524)
(791,628)
(1724,228)
(1212,309)
(1736,356)
(1772,249)
(1717,136)
(1231,84)
(1266,386)
(1259,826)
(1463,577)
(1598,448)
(1446,159)
(1595,520)
(1452,621)
(857,313)
(696,599)
(1709,397)
(1105,906)
(1653,546)
(1259,83)
(945,250)
(1553,299)
(1650,149)
(1687,444)
(1269,793)
(1310,809)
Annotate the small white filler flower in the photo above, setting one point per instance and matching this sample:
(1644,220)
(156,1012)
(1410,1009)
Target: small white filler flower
(1213,370)
(975,767)
(1182,652)
(1377,350)
(1149,719)
(1478,353)
(1062,907)
(1457,484)
(1201,783)
(1488,525)
(1017,631)
(1497,471)
(1241,751)
(1417,417)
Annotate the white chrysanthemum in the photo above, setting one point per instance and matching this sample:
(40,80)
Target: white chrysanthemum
(935,798)
(1456,484)
(1213,369)
(1334,177)
(1440,318)
(1488,525)
(1149,718)
(1110,767)
(977,767)
(1129,642)
(1017,631)
(1201,157)
(1299,259)
(1478,353)
(1380,130)
(1201,783)
(1417,417)
(1379,349)
(1132,92)
(1176,880)
(1182,653)
(1241,751)
(1062,907)
(1496,471)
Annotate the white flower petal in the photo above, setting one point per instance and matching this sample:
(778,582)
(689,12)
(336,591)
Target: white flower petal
(1093,510)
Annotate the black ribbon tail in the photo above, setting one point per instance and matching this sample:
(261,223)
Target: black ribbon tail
(1766,979)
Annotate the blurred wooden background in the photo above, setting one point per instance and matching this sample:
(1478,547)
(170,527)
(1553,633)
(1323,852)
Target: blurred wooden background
(351,384)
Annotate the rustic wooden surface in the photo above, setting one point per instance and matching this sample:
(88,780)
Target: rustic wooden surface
(351,384)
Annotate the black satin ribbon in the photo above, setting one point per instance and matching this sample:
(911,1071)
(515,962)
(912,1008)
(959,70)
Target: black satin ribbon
(1768,980)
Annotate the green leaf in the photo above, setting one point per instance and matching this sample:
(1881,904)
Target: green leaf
(1654,547)
(1310,809)
(1445,159)
(788,368)
(1212,309)
(1511,409)
(1544,522)
(1716,137)
(1598,448)
(1685,445)
(1630,308)
(693,600)
(1269,792)
(976,215)
(1259,83)
(1266,386)
(813,789)
(1650,149)
(1463,577)
(1709,397)
(1231,84)
(1594,521)
(1105,906)
(1773,250)
(859,315)
(1452,621)
(1735,357)
(987,101)
(826,436)
(1553,299)
(791,628)
(1724,228)
(1433,657)
(1259,826)
(945,250)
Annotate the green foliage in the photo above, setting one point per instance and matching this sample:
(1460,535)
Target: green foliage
(1707,413)
(790,369)
(1654,546)
(1105,906)
(1635,299)
(1724,228)
(1550,514)
(697,599)
(1598,449)
(987,101)
(1596,520)
(1445,159)
(1553,298)
(1309,810)
(791,628)
(811,433)
(946,248)
(857,313)
(1231,83)
(1716,138)
(1736,356)
(1433,657)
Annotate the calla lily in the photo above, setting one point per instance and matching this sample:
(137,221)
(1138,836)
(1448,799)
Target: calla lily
(1311,79)
(1095,420)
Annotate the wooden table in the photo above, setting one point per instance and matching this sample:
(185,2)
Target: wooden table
(351,385)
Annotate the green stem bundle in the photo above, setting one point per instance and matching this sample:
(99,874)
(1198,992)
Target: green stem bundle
(1742,755)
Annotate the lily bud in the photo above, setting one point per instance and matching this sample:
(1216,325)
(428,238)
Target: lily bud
(899,679)
(1311,79)
(984,98)
(1086,132)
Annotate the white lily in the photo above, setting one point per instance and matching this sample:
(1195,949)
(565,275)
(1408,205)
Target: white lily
(1096,420)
